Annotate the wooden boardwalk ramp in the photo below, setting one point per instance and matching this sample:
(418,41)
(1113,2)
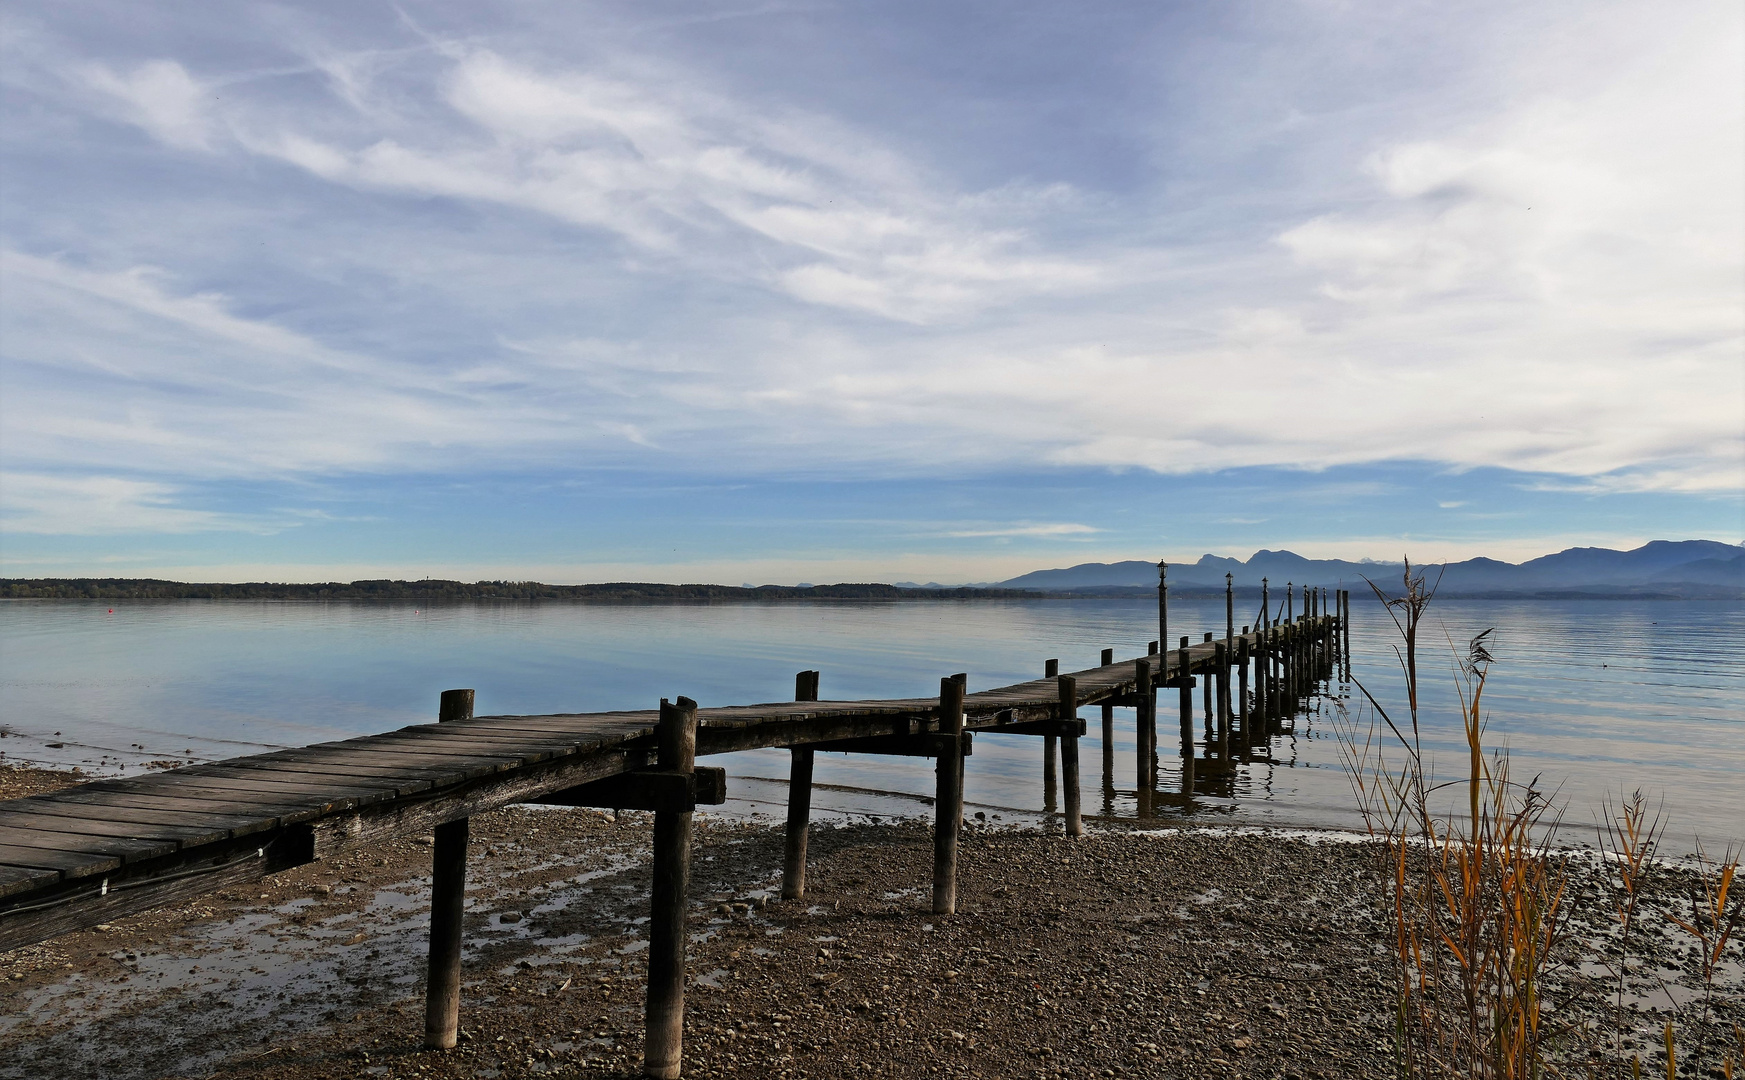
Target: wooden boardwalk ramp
(99,851)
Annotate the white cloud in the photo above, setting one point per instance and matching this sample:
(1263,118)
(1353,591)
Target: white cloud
(1051,531)
(161,97)
(90,505)
(1534,266)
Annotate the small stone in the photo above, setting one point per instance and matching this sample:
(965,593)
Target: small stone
(509,917)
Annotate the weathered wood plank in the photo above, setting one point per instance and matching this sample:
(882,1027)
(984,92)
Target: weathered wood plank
(17,879)
(70,864)
(255,816)
(108,826)
(127,850)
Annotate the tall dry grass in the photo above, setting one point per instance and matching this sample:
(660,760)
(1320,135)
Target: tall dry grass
(1477,889)
(1477,898)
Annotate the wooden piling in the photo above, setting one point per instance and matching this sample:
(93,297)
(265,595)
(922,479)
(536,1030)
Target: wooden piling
(1069,753)
(1162,604)
(1050,802)
(664,1016)
(1145,735)
(1187,709)
(448,890)
(799,800)
(948,797)
(1243,715)
(1221,670)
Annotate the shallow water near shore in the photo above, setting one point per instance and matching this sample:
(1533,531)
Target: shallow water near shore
(1591,696)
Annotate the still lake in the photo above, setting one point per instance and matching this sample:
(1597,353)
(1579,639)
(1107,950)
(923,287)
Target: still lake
(1593,696)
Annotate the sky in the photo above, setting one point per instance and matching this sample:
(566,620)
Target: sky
(903,291)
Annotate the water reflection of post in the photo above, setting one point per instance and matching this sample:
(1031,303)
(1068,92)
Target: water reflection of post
(1187,706)
(1145,736)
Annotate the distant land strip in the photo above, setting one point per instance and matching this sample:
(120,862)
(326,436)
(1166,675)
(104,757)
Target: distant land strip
(435,590)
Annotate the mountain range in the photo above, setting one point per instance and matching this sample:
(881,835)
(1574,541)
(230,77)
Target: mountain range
(1694,568)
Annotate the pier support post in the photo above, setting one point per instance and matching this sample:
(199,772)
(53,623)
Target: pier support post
(1108,759)
(448,890)
(1069,753)
(664,1015)
(1187,707)
(1145,735)
(1244,717)
(1162,610)
(799,800)
(1221,666)
(1050,800)
(948,796)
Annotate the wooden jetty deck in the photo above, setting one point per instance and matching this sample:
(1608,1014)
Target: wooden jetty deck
(96,852)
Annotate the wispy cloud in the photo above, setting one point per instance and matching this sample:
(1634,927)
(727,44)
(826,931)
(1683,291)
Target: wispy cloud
(452,241)
(1056,530)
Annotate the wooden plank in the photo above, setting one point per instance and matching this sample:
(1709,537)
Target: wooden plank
(290,791)
(258,814)
(127,850)
(18,879)
(293,777)
(105,826)
(127,816)
(284,805)
(71,864)
(432,765)
(366,765)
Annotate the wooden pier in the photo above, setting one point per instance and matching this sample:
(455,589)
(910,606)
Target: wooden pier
(93,853)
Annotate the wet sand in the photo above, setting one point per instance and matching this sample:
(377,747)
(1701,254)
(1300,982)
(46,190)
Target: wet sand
(1198,953)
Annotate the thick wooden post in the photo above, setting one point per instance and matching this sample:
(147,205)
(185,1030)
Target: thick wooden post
(948,797)
(1243,715)
(1069,753)
(1050,801)
(448,890)
(1345,630)
(1263,663)
(799,800)
(1108,759)
(664,1016)
(1162,605)
(1145,735)
(1229,609)
(1187,707)
(1221,668)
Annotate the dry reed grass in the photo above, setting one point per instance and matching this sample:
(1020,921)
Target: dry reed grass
(1478,894)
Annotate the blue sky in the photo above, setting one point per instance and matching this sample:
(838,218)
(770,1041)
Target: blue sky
(827,292)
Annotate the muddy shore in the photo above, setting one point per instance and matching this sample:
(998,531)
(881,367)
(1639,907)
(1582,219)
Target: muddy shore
(1166,953)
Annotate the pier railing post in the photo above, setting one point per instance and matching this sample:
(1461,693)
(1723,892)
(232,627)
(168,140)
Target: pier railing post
(664,1017)
(799,800)
(948,800)
(448,890)
(1069,753)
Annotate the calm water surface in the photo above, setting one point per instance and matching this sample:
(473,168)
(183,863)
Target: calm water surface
(1593,696)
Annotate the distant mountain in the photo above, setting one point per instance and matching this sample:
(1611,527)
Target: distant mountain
(1662,567)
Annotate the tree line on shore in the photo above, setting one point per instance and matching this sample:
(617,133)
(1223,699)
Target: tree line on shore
(438,590)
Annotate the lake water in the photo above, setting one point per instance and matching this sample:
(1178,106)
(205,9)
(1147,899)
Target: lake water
(1593,696)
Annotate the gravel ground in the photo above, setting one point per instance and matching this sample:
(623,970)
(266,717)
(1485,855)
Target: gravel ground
(1198,953)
